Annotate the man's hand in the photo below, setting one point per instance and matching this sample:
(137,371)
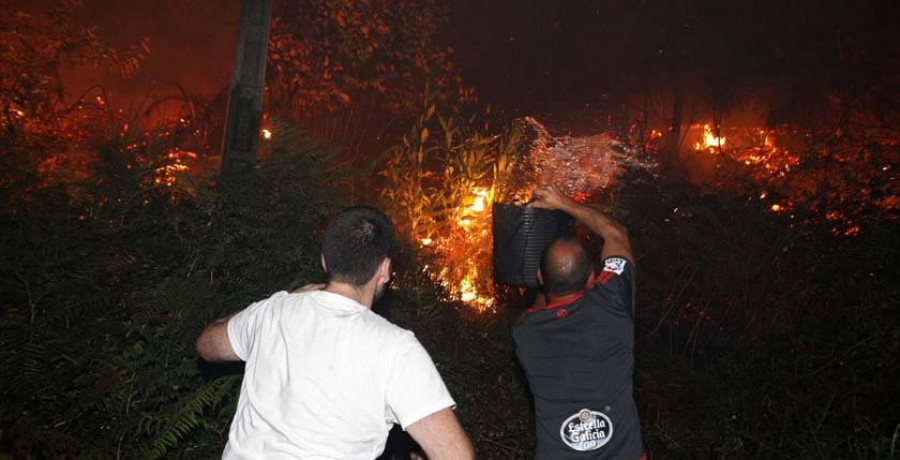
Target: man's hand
(614,234)
(309,287)
(550,197)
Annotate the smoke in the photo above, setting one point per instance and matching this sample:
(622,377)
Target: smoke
(192,50)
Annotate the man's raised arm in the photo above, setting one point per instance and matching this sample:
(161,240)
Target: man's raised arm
(442,437)
(614,234)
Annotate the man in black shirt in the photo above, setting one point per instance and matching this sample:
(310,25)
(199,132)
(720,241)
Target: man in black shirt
(576,344)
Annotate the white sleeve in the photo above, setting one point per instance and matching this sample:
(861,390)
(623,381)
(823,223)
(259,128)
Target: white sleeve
(242,328)
(415,389)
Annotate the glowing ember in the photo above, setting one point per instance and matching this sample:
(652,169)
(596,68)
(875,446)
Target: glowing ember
(710,142)
(267,134)
(426,241)
(167,174)
(777,208)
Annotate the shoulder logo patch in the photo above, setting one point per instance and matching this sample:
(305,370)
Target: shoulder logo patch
(615,265)
(586,431)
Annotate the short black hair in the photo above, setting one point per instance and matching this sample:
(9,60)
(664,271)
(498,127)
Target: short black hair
(356,241)
(564,279)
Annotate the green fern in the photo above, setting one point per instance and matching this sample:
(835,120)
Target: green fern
(169,429)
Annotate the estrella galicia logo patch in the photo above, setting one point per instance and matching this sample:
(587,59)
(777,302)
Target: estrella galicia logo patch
(587,430)
(615,265)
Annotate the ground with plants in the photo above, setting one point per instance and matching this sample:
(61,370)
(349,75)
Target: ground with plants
(755,339)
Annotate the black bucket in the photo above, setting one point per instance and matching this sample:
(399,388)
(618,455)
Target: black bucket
(520,235)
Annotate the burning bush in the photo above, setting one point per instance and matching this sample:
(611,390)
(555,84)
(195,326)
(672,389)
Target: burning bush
(442,191)
(815,179)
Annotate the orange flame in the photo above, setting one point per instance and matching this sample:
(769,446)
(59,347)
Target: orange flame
(710,142)
(458,250)
(166,175)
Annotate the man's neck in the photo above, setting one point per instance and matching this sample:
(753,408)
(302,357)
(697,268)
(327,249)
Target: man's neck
(554,298)
(364,295)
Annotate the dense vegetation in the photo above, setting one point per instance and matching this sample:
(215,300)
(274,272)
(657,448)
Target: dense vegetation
(755,339)
(103,295)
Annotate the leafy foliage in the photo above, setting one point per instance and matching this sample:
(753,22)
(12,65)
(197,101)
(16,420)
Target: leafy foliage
(104,292)
(326,52)
(445,164)
(32,49)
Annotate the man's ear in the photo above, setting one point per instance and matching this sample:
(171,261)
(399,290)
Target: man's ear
(384,271)
(540,278)
(324,268)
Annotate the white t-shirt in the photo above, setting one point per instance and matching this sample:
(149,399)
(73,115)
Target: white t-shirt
(325,379)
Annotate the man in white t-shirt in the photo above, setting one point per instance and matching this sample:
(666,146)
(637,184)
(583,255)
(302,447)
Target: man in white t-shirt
(326,378)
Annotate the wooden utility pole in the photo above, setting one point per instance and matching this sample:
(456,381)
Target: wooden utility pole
(246,93)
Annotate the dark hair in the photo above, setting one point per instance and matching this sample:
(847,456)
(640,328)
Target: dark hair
(561,278)
(356,241)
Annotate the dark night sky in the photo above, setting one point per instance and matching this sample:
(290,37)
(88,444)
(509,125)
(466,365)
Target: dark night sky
(573,51)
(547,55)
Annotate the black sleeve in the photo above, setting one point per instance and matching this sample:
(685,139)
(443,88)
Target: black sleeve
(615,281)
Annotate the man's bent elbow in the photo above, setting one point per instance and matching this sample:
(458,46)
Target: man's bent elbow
(203,348)
(212,345)
(617,245)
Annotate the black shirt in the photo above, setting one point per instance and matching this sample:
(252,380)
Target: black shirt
(578,355)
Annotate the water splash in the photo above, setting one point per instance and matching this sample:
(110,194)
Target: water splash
(579,166)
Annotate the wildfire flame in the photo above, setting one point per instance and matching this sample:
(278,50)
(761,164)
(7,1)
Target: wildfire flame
(478,205)
(459,248)
(578,165)
(768,163)
(710,142)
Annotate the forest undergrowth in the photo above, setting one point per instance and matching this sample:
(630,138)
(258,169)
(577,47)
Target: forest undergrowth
(755,338)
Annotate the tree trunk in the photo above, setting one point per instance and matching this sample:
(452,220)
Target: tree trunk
(246,96)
